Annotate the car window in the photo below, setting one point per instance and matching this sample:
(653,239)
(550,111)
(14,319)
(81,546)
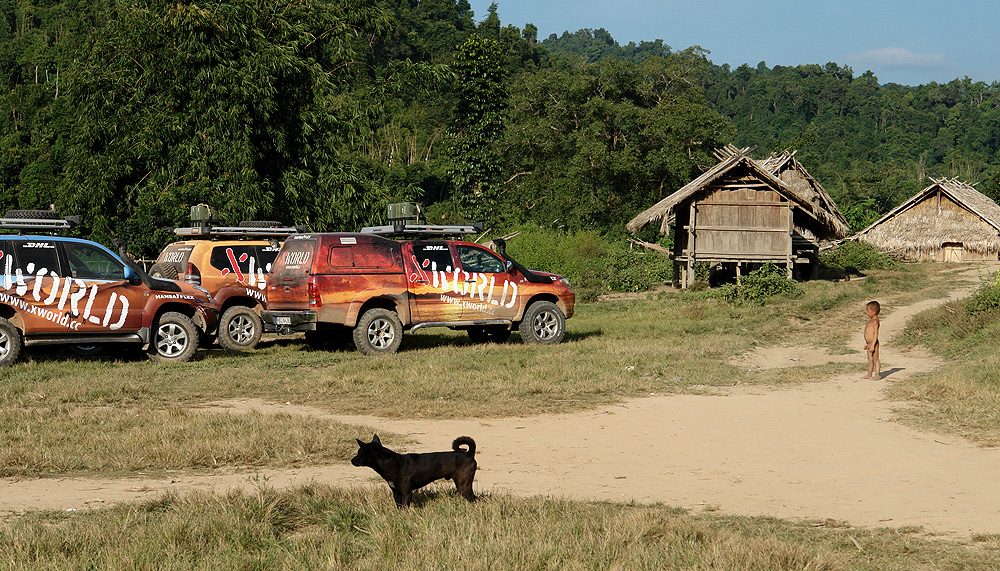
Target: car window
(433,256)
(373,256)
(33,256)
(295,257)
(6,261)
(87,261)
(237,258)
(479,260)
(266,256)
(341,257)
(176,255)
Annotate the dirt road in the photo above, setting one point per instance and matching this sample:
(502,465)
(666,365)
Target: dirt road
(817,451)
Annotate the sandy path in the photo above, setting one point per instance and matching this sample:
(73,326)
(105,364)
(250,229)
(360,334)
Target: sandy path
(817,451)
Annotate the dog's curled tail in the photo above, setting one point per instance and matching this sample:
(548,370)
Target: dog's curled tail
(468,442)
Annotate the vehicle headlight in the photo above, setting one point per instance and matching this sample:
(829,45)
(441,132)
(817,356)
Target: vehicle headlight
(565,281)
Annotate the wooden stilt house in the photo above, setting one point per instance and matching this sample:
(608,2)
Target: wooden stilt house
(949,221)
(745,212)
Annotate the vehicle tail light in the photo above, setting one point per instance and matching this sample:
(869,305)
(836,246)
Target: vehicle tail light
(192,275)
(314,294)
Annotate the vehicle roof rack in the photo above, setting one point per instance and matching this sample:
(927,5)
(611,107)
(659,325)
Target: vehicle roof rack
(423,229)
(208,231)
(39,224)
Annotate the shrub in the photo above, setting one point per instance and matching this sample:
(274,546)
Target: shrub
(628,270)
(760,285)
(592,263)
(986,299)
(858,255)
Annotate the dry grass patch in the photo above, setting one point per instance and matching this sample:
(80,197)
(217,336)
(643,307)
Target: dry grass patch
(319,527)
(65,440)
(613,351)
(961,398)
(679,343)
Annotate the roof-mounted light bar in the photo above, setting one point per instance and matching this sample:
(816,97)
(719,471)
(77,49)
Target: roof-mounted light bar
(39,224)
(423,230)
(217,231)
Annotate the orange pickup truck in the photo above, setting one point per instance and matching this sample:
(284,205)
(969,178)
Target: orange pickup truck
(365,287)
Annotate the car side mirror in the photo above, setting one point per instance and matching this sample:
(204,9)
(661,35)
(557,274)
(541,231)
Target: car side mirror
(132,277)
(510,266)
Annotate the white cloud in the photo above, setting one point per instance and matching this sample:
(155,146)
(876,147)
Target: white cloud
(901,58)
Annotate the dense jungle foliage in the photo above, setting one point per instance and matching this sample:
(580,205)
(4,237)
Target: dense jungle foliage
(323,111)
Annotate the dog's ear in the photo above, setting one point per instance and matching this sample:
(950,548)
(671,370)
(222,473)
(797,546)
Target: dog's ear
(375,440)
(360,443)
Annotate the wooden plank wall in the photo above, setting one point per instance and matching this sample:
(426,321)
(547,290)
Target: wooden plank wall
(738,219)
(747,221)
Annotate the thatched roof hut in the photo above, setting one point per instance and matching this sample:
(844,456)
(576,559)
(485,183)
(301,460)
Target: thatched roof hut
(743,211)
(947,221)
(781,169)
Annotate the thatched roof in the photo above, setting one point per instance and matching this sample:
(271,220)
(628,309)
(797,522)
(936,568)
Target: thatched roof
(786,167)
(916,235)
(800,187)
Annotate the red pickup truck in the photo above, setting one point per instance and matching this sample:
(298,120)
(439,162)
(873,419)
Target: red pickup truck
(367,288)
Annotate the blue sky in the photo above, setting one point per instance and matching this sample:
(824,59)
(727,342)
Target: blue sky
(909,42)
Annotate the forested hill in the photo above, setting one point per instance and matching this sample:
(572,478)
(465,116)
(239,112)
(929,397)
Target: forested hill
(323,111)
(871,145)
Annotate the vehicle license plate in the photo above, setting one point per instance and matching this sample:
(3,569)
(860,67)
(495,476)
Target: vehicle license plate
(284,320)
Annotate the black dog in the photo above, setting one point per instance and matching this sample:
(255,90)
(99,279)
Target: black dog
(408,472)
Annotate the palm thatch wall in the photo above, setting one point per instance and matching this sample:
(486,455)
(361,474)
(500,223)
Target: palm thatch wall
(947,221)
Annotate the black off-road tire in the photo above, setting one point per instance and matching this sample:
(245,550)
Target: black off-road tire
(164,270)
(379,332)
(10,343)
(33,214)
(174,338)
(489,334)
(240,328)
(543,323)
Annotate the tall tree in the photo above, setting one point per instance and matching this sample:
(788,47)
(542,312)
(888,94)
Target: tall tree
(588,145)
(232,103)
(478,125)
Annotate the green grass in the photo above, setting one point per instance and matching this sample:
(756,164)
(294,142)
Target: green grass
(320,527)
(612,351)
(63,415)
(963,396)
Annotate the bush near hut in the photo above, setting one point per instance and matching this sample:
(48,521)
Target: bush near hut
(594,264)
(962,326)
(759,286)
(986,299)
(853,257)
